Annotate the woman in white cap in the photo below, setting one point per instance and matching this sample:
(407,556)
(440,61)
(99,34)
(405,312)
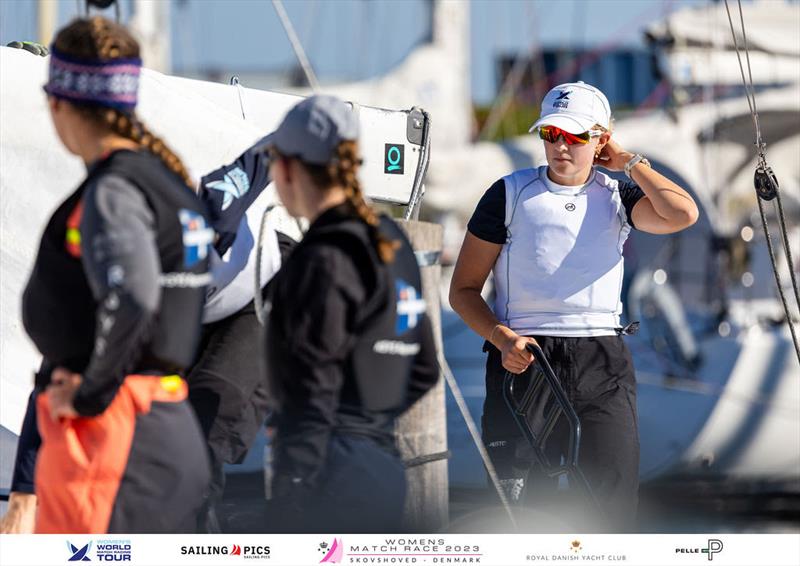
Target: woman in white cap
(553,237)
(349,345)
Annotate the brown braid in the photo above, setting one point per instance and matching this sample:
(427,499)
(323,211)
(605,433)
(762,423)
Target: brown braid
(99,38)
(343,172)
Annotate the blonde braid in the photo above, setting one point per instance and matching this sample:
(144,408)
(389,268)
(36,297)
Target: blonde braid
(109,45)
(130,127)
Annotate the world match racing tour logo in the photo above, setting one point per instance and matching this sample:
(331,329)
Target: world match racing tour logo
(105,551)
(247,551)
(79,553)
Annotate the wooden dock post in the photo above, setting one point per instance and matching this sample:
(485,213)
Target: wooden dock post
(421,433)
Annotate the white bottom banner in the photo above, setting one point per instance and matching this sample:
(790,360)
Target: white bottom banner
(505,550)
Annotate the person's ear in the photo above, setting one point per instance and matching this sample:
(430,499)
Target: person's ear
(279,169)
(604,138)
(60,106)
(291,167)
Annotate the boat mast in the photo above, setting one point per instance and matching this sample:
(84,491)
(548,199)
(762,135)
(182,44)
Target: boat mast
(47,14)
(151,25)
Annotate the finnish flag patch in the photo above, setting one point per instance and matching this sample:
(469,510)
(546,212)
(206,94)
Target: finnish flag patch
(197,237)
(410,307)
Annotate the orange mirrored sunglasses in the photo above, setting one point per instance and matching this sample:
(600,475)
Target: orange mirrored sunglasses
(552,133)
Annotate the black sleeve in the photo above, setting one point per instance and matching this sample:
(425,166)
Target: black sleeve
(425,370)
(27,449)
(630,193)
(488,222)
(316,309)
(285,245)
(120,257)
(29,440)
(230,190)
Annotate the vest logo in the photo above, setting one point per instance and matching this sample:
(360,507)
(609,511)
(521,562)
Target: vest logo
(395,348)
(563,99)
(77,554)
(233,185)
(196,237)
(394,159)
(410,307)
(570,206)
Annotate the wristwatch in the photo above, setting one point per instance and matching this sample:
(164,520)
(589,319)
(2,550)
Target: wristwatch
(638,158)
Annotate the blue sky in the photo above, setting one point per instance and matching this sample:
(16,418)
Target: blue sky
(355,39)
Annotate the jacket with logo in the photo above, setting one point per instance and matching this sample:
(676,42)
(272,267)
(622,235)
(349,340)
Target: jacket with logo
(349,344)
(118,284)
(237,200)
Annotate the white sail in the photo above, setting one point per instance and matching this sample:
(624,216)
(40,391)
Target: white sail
(698,47)
(201,121)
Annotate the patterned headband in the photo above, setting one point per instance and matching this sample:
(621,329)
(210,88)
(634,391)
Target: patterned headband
(113,83)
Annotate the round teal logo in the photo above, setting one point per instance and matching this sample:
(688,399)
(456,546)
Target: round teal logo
(393,159)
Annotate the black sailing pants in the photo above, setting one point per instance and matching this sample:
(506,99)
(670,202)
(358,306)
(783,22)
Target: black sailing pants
(229,395)
(598,376)
(361,489)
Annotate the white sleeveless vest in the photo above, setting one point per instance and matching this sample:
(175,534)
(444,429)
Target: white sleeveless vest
(560,271)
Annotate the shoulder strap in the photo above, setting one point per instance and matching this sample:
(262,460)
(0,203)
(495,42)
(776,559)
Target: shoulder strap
(515,183)
(606,181)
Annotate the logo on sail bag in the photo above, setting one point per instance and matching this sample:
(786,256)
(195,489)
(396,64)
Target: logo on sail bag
(393,158)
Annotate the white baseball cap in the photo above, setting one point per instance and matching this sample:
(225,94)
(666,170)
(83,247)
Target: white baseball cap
(575,108)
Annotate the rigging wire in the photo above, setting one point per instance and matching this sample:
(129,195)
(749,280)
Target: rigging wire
(476,436)
(296,45)
(262,309)
(766,183)
(235,82)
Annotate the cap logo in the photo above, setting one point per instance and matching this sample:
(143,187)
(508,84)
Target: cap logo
(563,99)
(318,124)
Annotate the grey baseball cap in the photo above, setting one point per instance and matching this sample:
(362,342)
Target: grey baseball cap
(313,129)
